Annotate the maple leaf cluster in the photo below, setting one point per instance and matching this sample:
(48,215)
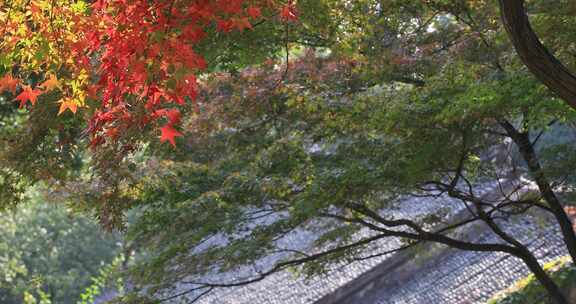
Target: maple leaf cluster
(136,59)
(38,38)
(9,83)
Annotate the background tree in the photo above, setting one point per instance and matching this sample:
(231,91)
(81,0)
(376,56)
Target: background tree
(48,255)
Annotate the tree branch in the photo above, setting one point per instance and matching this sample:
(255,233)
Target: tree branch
(545,67)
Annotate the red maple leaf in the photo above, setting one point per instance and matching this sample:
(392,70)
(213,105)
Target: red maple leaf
(289,13)
(112,133)
(168,134)
(254,12)
(173,116)
(28,94)
(225,26)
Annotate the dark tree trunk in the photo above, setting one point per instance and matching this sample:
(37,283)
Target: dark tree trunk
(522,140)
(535,56)
(553,290)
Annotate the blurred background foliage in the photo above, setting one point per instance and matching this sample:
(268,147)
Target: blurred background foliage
(50,255)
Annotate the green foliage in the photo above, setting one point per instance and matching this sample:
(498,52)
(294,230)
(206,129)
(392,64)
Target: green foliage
(48,255)
(49,151)
(108,278)
(250,186)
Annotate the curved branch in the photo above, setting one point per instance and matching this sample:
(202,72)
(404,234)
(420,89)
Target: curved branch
(278,267)
(547,68)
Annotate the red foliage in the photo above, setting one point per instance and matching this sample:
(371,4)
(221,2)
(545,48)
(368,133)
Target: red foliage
(147,63)
(289,12)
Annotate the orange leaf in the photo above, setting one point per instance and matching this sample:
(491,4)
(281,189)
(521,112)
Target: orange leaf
(112,132)
(67,104)
(242,24)
(8,83)
(28,94)
(51,83)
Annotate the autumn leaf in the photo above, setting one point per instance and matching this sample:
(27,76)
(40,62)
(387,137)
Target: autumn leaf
(112,133)
(168,134)
(288,13)
(68,104)
(242,24)
(50,84)
(35,9)
(173,115)
(8,83)
(28,94)
(225,26)
(254,12)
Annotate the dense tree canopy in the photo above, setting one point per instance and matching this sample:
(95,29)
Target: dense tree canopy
(283,116)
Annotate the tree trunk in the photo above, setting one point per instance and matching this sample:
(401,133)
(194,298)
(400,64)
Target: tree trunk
(535,56)
(553,290)
(522,140)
